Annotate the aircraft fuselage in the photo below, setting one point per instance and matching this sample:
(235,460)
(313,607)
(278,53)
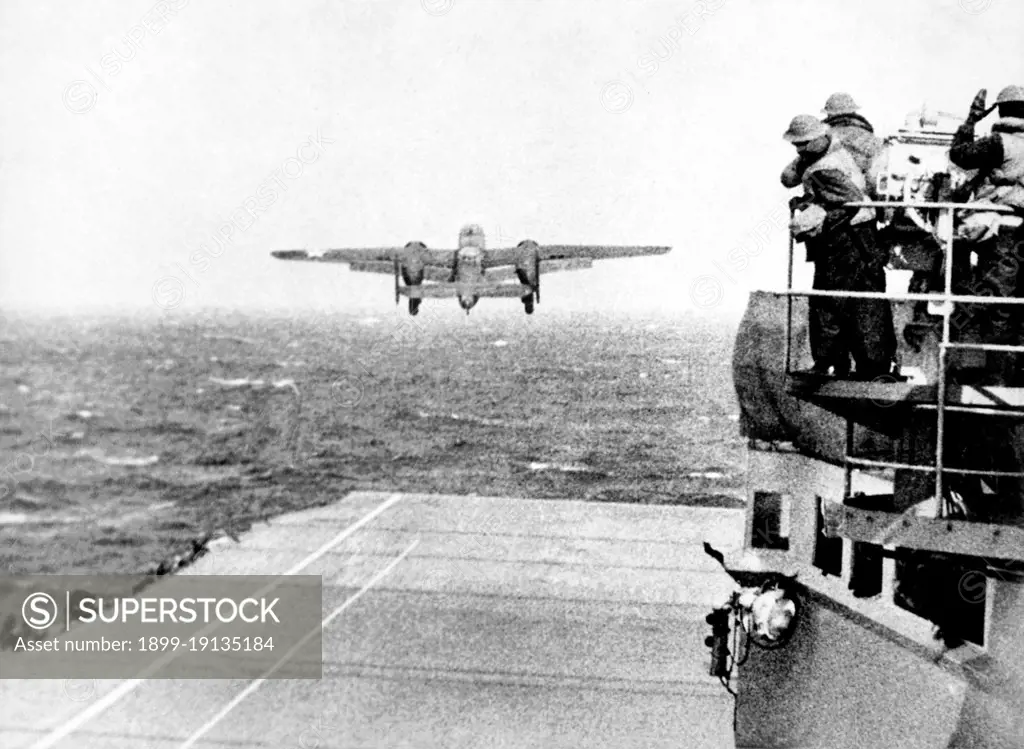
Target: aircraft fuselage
(470,274)
(469,268)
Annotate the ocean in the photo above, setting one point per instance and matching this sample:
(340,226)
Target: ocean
(126,440)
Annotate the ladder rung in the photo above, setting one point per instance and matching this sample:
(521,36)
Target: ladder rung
(983,346)
(947,205)
(1014,412)
(937,298)
(868,463)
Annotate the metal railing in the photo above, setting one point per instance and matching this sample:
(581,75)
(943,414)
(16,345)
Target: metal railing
(948,300)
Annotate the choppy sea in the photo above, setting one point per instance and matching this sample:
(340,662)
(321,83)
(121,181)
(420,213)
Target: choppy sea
(123,440)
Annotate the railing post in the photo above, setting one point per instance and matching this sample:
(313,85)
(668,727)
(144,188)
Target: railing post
(940,412)
(789,298)
(847,465)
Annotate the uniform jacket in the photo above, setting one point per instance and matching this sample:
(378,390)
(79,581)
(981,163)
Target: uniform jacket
(855,134)
(830,181)
(858,136)
(999,157)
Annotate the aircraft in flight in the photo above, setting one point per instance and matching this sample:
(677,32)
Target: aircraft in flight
(472,271)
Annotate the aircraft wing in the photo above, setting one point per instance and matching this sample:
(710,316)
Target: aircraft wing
(596,252)
(369,259)
(497,273)
(577,255)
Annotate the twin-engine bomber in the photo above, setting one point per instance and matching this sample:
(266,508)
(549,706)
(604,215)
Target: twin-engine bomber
(472,271)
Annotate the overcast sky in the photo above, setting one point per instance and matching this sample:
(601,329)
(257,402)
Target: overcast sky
(133,133)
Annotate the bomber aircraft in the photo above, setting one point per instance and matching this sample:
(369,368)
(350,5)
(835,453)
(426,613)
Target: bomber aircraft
(472,271)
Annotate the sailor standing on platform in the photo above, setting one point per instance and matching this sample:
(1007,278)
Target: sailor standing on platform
(842,243)
(999,238)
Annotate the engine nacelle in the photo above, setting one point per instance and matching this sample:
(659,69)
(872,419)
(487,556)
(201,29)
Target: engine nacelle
(413,263)
(528,268)
(411,267)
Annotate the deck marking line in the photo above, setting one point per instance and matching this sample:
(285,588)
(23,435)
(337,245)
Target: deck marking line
(254,685)
(108,700)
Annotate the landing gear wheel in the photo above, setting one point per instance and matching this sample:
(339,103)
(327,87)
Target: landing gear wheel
(528,304)
(414,306)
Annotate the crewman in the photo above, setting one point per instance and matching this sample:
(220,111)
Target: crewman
(998,238)
(999,243)
(855,133)
(854,130)
(842,243)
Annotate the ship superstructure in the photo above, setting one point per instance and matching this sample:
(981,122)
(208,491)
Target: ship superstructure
(894,506)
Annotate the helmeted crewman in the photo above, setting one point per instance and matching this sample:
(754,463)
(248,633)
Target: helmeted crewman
(842,243)
(855,133)
(998,238)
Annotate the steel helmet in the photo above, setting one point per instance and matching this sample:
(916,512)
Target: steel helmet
(1011,94)
(804,128)
(840,103)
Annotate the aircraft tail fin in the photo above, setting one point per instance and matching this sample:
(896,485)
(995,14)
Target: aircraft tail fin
(372,266)
(429,291)
(572,263)
(505,290)
(443,290)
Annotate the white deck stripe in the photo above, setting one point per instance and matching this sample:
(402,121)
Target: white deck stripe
(109,700)
(323,625)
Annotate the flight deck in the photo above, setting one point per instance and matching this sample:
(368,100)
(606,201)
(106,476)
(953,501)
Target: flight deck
(453,622)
